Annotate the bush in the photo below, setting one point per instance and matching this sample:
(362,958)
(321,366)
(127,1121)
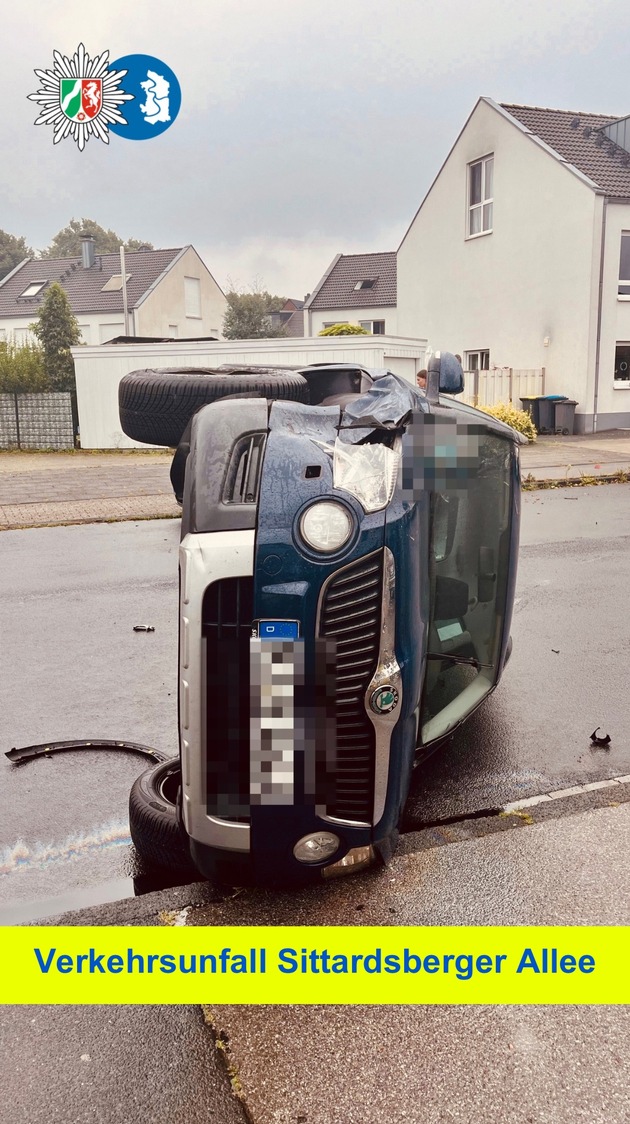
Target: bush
(518,419)
(22,369)
(344,330)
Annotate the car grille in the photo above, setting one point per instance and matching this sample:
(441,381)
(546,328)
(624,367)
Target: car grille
(351,615)
(227,613)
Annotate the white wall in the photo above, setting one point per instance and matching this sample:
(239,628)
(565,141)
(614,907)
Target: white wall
(352,316)
(613,401)
(165,305)
(95,328)
(508,290)
(99,369)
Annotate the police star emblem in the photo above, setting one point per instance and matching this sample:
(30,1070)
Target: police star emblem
(80,97)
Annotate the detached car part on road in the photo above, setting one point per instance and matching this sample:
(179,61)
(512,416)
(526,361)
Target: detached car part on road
(347,572)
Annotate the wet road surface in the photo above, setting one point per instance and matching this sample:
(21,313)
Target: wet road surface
(72,667)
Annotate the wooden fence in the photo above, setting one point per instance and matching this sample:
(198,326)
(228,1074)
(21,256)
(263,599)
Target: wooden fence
(502,384)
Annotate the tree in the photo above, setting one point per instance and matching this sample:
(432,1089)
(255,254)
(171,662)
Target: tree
(57,329)
(248,316)
(67,242)
(344,330)
(12,251)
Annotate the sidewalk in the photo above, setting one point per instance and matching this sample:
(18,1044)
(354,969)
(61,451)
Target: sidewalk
(569,459)
(413,1064)
(55,489)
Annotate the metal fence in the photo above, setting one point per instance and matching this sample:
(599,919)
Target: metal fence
(503,384)
(36,421)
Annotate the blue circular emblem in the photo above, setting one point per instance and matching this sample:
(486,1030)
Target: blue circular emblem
(157,97)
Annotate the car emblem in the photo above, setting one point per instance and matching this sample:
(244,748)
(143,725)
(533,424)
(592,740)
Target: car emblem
(384,699)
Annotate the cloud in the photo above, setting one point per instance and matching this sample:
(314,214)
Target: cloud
(304,129)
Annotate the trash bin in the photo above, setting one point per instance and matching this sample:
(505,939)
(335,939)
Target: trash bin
(541,409)
(565,417)
(530,404)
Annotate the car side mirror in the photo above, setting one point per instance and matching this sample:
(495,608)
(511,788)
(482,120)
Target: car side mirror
(444,375)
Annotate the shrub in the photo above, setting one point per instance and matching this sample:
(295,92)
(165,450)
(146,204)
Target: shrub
(344,330)
(22,369)
(518,419)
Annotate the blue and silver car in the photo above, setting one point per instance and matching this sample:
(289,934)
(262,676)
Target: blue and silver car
(347,570)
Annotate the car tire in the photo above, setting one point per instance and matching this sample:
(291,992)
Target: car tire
(154,819)
(155,406)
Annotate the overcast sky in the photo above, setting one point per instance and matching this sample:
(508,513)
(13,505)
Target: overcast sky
(306,129)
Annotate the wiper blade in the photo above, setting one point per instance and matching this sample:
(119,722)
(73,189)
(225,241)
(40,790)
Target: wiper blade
(470,660)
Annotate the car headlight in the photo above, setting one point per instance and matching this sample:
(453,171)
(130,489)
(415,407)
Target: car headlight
(326,526)
(368,472)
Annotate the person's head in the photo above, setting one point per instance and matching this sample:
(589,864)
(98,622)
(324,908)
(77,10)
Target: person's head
(421,379)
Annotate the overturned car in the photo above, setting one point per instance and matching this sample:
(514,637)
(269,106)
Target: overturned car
(347,572)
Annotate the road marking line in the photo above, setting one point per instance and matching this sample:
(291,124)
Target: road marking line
(561,793)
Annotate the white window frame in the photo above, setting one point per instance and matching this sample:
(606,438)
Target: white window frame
(486,200)
(114,283)
(621,384)
(366,283)
(36,286)
(624,282)
(473,360)
(192,298)
(369,324)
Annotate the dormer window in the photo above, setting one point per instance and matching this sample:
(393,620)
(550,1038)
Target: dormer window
(366,283)
(114,284)
(480,196)
(33,289)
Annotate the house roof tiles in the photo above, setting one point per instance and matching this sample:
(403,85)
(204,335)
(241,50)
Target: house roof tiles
(575,137)
(84,286)
(337,290)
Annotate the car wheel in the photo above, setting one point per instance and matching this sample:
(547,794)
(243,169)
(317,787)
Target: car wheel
(156,406)
(154,821)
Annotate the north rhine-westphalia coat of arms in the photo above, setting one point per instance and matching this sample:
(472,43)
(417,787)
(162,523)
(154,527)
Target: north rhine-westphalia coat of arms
(80,97)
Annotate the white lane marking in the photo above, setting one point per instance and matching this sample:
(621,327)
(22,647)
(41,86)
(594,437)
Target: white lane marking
(562,793)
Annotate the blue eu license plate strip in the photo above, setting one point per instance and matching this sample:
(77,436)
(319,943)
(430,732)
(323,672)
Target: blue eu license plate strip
(278,630)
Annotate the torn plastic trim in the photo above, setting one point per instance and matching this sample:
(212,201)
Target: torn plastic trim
(29,752)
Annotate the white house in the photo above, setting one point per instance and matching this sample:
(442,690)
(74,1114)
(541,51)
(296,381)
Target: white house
(170,293)
(519,255)
(355,289)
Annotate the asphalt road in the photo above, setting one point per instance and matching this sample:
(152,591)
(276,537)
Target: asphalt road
(72,667)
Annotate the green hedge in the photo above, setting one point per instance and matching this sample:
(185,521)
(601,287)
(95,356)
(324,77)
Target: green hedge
(22,369)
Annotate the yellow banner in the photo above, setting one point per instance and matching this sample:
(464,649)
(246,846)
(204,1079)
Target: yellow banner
(323,964)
